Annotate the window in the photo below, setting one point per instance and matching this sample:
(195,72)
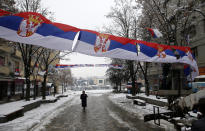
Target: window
(192,31)
(100,81)
(18,88)
(2,61)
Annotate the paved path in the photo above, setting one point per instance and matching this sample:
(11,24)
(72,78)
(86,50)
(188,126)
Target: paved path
(100,115)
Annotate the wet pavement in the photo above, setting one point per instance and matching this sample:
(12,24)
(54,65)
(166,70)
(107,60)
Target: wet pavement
(100,115)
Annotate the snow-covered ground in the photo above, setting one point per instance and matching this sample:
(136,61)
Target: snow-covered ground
(17,105)
(151,97)
(37,118)
(139,111)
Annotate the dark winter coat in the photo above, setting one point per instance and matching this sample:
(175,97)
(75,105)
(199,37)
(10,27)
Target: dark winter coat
(83,98)
(198,125)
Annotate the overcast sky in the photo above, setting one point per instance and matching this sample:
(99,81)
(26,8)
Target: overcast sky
(84,14)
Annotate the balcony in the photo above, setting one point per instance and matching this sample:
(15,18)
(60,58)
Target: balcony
(4,70)
(5,48)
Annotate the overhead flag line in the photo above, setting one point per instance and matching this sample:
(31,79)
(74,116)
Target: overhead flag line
(33,28)
(62,66)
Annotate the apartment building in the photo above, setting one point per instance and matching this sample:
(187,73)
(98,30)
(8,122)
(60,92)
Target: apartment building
(11,71)
(12,80)
(196,41)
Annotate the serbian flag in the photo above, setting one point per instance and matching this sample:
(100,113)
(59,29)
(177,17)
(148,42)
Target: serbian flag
(190,72)
(2,12)
(33,28)
(105,45)
(155,33)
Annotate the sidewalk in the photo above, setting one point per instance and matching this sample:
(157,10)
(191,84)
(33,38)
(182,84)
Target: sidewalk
(13,110)
(38,116)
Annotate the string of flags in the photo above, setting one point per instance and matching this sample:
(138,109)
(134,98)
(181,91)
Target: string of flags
(63,66)
(33,28)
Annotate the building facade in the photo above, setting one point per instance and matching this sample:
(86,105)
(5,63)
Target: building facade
(196,41)
(12,79)
(11,72)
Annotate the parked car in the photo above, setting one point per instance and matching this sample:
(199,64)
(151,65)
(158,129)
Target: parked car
(198,84)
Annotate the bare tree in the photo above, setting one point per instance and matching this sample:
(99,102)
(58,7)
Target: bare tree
(8,5)
(117,76)
(65,78)
(28,51)
(125,22)
(33,6)
(48,58)
(175,19)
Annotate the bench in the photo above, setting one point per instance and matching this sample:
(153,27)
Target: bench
(62,96)
(15,114)
(11,115)
(31,106)
(139,102)
(49,101)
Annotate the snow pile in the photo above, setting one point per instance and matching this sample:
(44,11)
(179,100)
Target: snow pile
(139,111)
(13,106)
(38,116)
(152,97)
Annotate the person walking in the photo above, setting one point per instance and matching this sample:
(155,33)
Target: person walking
(83,98)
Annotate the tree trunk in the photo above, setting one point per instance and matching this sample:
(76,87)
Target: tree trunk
(146,80)
(120,86)
(34,90)
(133,86)
(27,89)
(22,97)
(133,78)
(116,87)
(62,88)
(146,86)
(44,86)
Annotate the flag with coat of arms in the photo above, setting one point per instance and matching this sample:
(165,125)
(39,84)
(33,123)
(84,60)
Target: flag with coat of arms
(33,28)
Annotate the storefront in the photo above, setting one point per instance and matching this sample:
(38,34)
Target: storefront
(5,87)
(11,88)
(19,87)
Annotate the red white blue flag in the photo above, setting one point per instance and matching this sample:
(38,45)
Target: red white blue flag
(3,12)
(63,66)
(155,33)
(33,28)
(104,45)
